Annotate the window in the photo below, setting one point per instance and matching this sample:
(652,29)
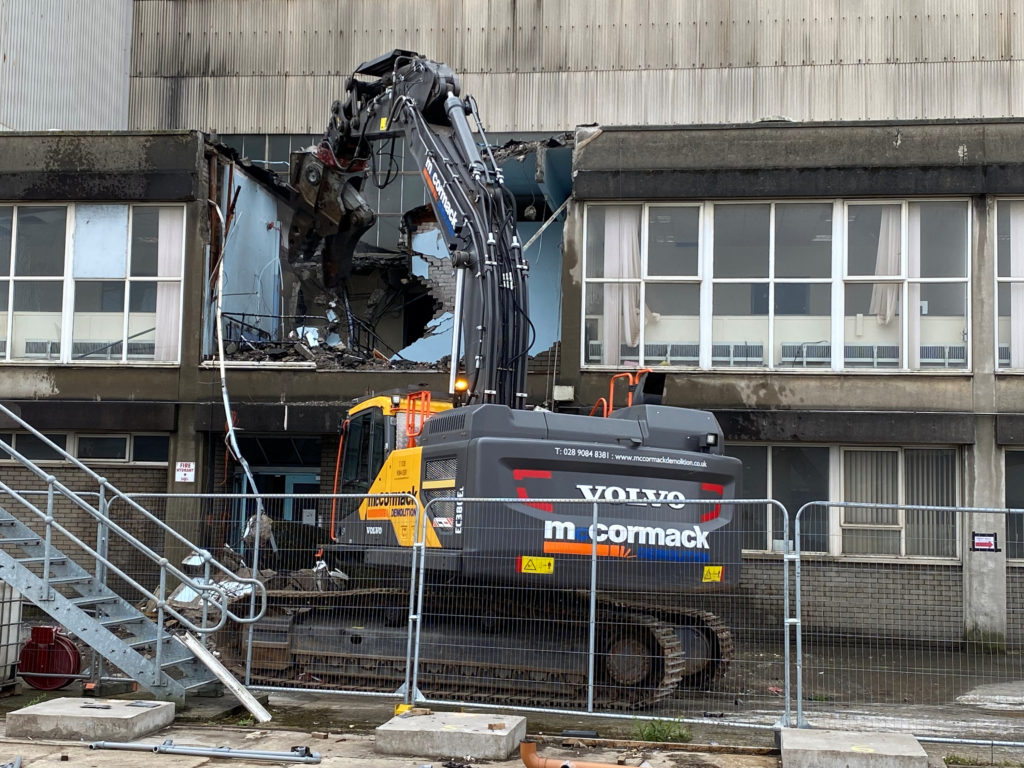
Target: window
(91,448)
(797,475)
(1014,465)
(782,285)
(1010,284)
(90,283)
(102,447)
(921,477)
(395,186)
(793,476)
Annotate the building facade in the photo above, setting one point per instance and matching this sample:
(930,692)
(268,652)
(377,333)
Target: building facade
(810,220)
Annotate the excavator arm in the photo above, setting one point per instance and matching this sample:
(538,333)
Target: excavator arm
(404,95)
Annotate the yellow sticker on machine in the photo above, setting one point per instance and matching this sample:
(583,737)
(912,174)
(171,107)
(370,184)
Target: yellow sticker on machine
(531,564)
(383,123)
(713,572)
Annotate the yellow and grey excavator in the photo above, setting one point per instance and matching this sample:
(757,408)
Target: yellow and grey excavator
(639,466)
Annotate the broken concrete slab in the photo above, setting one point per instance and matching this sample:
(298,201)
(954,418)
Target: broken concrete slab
(465,735)
(811,748)
(90,719)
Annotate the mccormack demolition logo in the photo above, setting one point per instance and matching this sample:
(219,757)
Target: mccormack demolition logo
(650,542)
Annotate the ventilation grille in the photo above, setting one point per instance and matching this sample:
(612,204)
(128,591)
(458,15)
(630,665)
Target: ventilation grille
(440,469)
(446,422)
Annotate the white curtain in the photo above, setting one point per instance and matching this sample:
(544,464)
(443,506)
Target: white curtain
(170,234)
(914,288)
(621,317)
(1017,288)
(885,296)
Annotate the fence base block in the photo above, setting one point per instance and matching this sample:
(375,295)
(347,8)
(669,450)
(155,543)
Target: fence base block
(807,748)
(443,734)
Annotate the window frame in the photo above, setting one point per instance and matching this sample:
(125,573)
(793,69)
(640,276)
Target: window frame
(837,282)
(836,540)
(68,281)
(71,442)
(999,281)
(837,494)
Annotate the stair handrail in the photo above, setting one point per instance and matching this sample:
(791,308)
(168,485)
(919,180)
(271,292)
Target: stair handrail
(162,603)
(165,565)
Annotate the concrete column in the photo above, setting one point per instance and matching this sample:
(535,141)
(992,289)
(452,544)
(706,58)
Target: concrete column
(184,515)
(984,571)
(984,582)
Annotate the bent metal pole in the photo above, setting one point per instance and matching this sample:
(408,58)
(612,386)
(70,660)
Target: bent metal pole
(296,755)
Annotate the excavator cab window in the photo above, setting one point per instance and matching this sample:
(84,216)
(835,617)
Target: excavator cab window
(364,450)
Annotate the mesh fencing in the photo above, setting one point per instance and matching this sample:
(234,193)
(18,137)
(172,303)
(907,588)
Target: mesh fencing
(638,609)
(889,635)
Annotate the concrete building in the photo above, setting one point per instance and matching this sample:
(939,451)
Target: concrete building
(808,217)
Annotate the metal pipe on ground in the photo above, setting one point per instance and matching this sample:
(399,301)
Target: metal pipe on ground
(296,755)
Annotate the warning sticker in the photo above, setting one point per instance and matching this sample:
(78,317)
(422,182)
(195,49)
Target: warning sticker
(530,564)
(713,572)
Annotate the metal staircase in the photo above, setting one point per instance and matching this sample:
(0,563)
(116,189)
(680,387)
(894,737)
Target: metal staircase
(59,583)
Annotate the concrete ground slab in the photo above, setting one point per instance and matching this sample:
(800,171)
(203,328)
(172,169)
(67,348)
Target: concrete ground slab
(809,748)
(90,719)
(465,735)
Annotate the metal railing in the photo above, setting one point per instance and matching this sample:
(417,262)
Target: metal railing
(213,595)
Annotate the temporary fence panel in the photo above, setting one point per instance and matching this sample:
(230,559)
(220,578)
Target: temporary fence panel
(609,607)
(884,607)
(336,620)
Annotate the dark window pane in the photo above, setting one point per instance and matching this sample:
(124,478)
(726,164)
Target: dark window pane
(40,246)
(753,518)
(741,240)
(4,293)
(803,240)
(102,447)
(142,297)
(31,447)
(5,437)
(278,159)
(799,476)
(6,222)
(145,236)
(1015,500)
(99,296)
(38,296)
(150,448)
(672,240)
(873,240)
(943,232)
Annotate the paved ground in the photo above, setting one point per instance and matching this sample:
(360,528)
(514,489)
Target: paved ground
(341,730)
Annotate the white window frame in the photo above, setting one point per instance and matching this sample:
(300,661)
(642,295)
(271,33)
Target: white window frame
(67,281)
(1010,280)
(838,281)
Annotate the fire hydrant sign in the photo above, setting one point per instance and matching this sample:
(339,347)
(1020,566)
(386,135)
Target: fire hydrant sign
(984,542)
(185,472)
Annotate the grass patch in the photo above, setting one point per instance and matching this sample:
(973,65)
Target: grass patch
(661,730)
(955,759)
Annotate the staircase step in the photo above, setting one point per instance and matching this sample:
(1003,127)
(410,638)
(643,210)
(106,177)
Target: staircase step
(110,621)
(33,540)
(92,600)
(54,560)
(70,579)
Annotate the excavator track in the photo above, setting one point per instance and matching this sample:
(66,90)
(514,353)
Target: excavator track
(354,640)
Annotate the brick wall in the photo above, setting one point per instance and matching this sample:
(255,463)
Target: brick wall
(80,524)
(906,601)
